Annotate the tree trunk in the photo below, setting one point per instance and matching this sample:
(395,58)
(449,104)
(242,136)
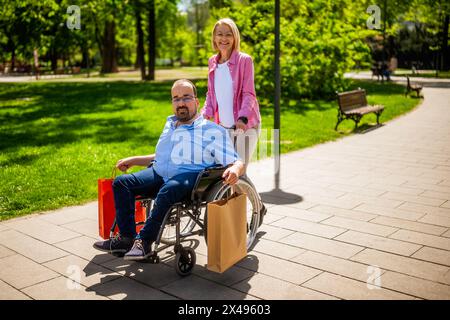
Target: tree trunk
(109,58)
(140,57)
(445,56)
(151,41)
(54,59)
(13,58)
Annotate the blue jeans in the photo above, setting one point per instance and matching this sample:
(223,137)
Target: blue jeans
(148,183)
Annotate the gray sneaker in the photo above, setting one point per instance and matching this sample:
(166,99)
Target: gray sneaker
(141,250)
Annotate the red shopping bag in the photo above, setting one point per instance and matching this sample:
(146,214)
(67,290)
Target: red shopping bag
(107,210)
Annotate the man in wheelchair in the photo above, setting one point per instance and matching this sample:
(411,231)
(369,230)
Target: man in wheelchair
(188,144)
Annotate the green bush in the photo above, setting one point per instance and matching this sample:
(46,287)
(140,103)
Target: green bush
(320,40)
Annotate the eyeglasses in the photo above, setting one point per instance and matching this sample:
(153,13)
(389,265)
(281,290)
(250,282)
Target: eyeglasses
(184,99)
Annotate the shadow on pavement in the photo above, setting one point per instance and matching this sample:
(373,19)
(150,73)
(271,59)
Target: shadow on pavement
(278,196)
(127,280)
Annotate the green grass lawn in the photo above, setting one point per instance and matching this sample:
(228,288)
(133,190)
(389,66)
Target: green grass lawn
(423,74)
(58,138)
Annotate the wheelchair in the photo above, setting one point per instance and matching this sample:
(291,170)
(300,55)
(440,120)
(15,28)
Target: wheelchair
(183,217)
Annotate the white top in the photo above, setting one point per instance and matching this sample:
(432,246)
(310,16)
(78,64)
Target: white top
(223,87)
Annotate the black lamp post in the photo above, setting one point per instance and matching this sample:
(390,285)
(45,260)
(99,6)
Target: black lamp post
(276,117)
(277,196)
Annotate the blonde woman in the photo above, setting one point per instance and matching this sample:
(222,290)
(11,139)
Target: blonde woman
(231,98)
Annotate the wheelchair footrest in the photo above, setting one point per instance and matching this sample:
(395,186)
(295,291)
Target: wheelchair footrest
(154,258)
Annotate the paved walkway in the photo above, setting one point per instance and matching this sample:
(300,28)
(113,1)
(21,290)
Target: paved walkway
(373,223)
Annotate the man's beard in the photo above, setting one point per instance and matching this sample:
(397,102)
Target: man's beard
(183,114)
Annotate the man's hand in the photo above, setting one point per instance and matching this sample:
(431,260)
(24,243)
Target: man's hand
(231,175)
(125,164)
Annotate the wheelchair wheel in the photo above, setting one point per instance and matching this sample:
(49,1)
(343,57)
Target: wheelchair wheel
(185,261)
(221,191)
(168,236)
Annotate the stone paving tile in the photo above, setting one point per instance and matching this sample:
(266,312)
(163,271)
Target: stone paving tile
(293,212)
(266,287)
(5,252)
(335,180)
(367,227)
(85,227)
(82,247)
(273,233)
(9,293)
(308,227)
(351,214)
(446,234)
(414,199)
(277,249)
(420,208)
(410,266)
(304,189)
(414,286)
(30,247)
(154,275)
(3,227)
(269,218)
(278,268)
(390,179)
(197,288)
(436,220)
(436,195)
(343,202)
(345,288)
(446,205)
(369,191)
(72,214)
(398,189)
(232,276)
(380,243)
(81,270)
(427,187)
(424,180)
(344,267)
(61,288)
(21,272)
(378,201)
(327,246)
(389,212)
(128,289)
(42,230)
(409,225)
(421,238)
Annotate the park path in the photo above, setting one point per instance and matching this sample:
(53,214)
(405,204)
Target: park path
(365,217)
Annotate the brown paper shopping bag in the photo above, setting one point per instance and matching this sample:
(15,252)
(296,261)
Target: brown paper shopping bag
(227,232)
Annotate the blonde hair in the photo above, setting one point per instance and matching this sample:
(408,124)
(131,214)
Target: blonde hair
(234,30)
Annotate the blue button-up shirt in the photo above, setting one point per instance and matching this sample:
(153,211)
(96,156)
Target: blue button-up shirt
(192,148)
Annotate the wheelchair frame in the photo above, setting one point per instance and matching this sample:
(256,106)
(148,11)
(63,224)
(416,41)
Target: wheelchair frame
(207,182)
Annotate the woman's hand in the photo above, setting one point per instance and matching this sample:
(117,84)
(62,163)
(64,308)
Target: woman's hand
(231,175)
(125,164)
(240,126)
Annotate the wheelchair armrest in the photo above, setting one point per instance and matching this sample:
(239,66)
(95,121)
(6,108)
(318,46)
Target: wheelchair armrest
(205,179)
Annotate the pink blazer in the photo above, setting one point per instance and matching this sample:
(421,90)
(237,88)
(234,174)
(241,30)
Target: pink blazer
(242,75)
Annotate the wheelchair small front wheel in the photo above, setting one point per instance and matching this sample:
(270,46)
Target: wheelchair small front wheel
(185,261)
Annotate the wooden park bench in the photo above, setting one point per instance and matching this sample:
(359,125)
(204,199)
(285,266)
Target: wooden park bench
(353,105)
(412,87)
